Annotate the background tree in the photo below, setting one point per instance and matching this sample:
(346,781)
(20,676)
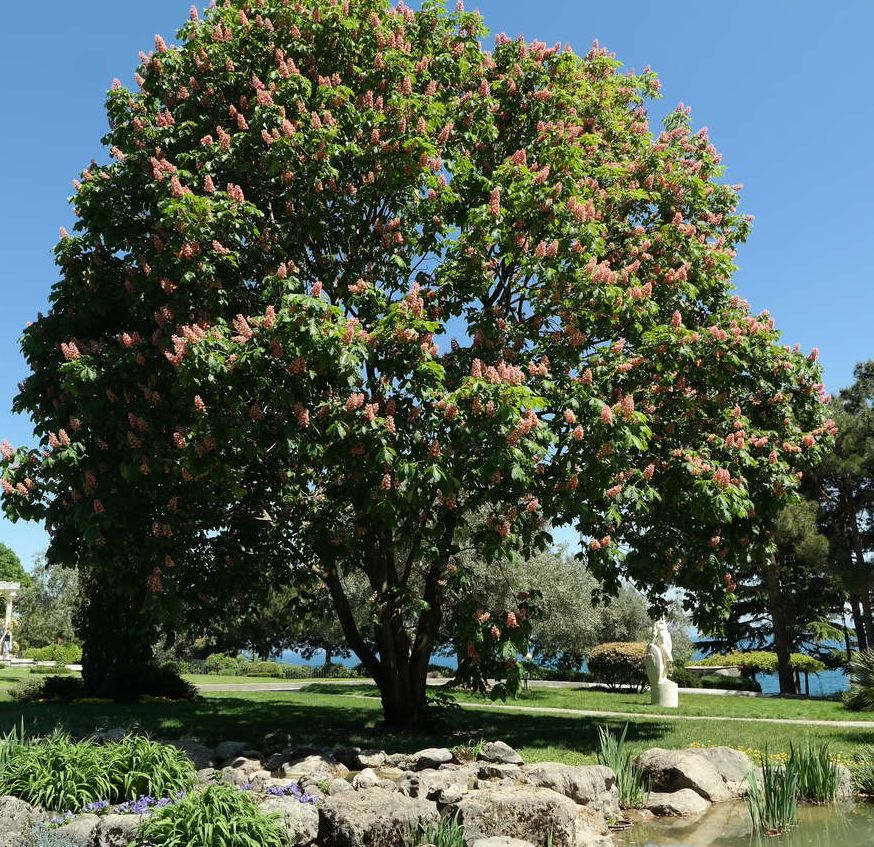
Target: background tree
(242,353)
(46,606)
(845,482)
(11,569)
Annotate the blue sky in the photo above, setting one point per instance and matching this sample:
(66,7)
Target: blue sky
(783,85)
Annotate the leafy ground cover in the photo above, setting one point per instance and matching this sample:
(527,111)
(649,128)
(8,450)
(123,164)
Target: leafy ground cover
(329,716)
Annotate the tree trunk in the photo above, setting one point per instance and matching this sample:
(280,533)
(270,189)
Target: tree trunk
(858,622)
(866,612)
(846,634)
(782,640)
(117,640)
(329,655)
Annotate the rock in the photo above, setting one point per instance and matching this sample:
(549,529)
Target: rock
(529,813)
(449,795)
(244,764)
(347,756)
(80,829)
(318,767)
(676,803)
(499,753)
(366,779)
(205,775)
(201,756)
(441,779)
(671,770)
(732,765)
(229,750)
(501,841)
(338,786)
(16,818)
(589,785)
(487,770)
(373,818)
(414,785)
(396,760)
(370,759)
(300,820)
(114,830)
(433,757)
(235,776)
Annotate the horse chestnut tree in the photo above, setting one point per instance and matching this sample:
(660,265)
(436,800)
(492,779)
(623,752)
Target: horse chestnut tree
(350,288)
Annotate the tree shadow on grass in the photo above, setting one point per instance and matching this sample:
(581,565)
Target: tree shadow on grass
(320,721)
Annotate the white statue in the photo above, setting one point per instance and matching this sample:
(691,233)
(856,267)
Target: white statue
(658,661)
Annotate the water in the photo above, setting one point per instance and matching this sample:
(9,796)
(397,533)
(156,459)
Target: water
(729,825)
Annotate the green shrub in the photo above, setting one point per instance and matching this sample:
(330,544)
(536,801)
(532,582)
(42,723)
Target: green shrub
(62,775)
(222,664)
(65,654)
(752,662)
(52,688)
(272,669)
(129,683)
(684,677)
(772,803)
(219,816)
(618,664)
(863,770)
(860,696)
(616,755)
(729,683)
(50,670)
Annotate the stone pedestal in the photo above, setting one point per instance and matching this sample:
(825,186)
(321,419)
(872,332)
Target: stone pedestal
(665,694)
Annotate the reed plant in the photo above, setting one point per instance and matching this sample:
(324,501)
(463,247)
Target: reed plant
(817,775)
(863,770)
(773,802)
(445,832)
(615,753)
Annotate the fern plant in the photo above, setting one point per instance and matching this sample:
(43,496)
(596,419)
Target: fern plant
(860,696)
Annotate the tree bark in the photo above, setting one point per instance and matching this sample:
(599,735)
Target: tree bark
(782,638)
(858,622)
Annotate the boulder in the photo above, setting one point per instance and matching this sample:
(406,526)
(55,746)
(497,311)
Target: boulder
(369,759)
(79,830)
(366,779)
(245,764)
(500,841)
(531,814)
(201,756)
(489,770)
(114,830)
(433,757)
(414,785)
(373,818)
(16,818)
(277,740)
(671,770)
(338,786)
(589,785)
(845,783)
(300,820)
(318,767)
(676,803)
(499,753)
(230,750)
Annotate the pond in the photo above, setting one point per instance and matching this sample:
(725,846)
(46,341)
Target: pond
(728,825)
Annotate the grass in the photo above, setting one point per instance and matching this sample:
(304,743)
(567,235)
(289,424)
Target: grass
(324,716)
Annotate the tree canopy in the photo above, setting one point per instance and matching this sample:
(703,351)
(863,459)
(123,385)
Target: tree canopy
(11,569)
(350,284)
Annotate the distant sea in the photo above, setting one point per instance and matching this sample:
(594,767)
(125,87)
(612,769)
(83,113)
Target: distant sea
(821,685)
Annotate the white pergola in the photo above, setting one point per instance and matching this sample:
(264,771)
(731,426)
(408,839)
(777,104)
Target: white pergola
(8,591)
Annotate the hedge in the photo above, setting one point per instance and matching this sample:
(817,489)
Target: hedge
(618,664)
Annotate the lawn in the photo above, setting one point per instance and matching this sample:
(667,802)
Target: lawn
(330,717)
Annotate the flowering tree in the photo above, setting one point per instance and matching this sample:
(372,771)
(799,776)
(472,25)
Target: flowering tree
(352,285)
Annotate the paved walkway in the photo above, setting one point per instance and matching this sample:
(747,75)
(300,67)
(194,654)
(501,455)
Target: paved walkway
(298,685)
